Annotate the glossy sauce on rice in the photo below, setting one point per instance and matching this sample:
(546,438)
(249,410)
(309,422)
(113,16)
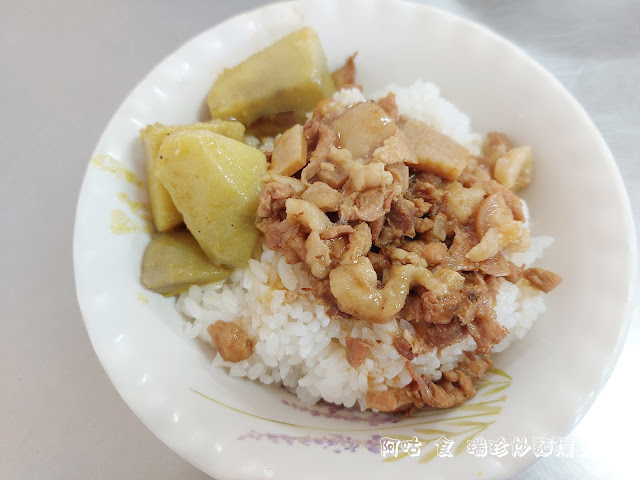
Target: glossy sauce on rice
(302,344)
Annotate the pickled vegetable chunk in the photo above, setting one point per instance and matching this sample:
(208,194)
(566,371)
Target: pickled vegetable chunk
(436,153)
(214,182)
(289,152)
(173,261)
(290,75)
(164,213)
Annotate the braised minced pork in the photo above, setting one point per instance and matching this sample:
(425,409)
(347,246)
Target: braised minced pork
(232,342)
(396,220)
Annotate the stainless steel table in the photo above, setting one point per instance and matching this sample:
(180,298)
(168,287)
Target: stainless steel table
(67,65)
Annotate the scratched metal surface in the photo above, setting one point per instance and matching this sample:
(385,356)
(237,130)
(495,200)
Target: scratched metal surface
(66,65)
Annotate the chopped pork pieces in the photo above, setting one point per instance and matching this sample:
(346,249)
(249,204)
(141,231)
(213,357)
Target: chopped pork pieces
(396,220)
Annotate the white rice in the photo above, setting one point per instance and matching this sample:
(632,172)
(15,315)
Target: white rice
(518,305)
(299,346)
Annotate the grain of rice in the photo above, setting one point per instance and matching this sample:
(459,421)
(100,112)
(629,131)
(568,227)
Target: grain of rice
(287,275)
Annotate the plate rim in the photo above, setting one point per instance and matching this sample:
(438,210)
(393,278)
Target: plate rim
(621,191)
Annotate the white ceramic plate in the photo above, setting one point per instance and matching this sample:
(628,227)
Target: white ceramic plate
(232,428)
